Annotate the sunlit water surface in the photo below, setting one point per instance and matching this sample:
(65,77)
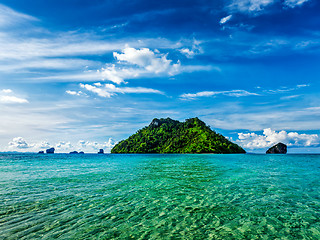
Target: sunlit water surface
(88,196)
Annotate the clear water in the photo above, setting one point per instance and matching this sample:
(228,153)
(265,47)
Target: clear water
(159,196)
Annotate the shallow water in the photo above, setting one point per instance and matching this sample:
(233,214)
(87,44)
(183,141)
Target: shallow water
(108,196)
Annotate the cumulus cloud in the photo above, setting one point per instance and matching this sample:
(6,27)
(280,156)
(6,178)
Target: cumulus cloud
(41,145)
(7,97)
(117,75)
(108,90)
(63,146)
(232,93)
(21,145)
(151,61)
(270,138)
(225,19)
(133,63)
(294,3)
(18,143)
(94,146)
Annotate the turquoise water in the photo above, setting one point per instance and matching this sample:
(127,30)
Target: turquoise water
(87,196)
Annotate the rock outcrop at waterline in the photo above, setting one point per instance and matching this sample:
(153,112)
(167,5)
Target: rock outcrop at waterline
(279,148)
(50,150)
(101,151)
(171,136)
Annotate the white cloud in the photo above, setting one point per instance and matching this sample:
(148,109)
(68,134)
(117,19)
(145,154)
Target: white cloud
(117,75)
(294,3)
(225,19)
(18,143)
(286,89)
(232,115)
(9,66)
(270,138)
(95,146)
(41,145)
(249,6)
(232,93)
(290,97)
(97,90)
(255,7)
(63,146)
(134,63)
(74,93)
(7,97)
(10,17)
(21,53)
(195,49)
(189,53)
(74,45)
(108,90)
(313,108)
(303,85)
(12,99)
(141,62)
(6,91)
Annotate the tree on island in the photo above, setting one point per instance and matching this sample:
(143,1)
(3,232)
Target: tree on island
(170,136)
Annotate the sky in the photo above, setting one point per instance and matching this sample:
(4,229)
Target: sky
(85,74)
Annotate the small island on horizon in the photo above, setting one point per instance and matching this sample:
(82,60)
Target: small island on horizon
(166,135)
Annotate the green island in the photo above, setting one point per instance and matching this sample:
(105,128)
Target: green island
(165,135)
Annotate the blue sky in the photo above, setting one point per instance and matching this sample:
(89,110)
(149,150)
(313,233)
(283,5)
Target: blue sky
(82,75)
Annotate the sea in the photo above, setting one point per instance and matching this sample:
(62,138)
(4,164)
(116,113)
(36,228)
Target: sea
(138,196)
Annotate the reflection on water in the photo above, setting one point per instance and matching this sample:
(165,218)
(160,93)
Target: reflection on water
(159,196)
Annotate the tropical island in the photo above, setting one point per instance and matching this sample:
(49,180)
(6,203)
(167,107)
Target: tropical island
(166,135)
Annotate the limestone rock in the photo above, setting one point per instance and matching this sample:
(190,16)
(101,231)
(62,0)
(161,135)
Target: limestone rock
(101,151)
(279,148)
(50,150)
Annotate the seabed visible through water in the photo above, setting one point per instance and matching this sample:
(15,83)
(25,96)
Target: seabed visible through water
(203,196)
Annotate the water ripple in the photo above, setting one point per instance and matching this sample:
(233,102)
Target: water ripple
(159,196)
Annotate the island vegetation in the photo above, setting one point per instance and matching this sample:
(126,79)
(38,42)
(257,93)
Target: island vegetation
(170,136)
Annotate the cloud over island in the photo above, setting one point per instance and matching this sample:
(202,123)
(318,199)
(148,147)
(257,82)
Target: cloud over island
(270,137)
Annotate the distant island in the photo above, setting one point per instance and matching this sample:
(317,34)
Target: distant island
(165,135)
(279,148)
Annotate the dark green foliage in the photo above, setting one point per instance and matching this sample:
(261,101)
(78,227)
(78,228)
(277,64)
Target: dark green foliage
(169,136)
